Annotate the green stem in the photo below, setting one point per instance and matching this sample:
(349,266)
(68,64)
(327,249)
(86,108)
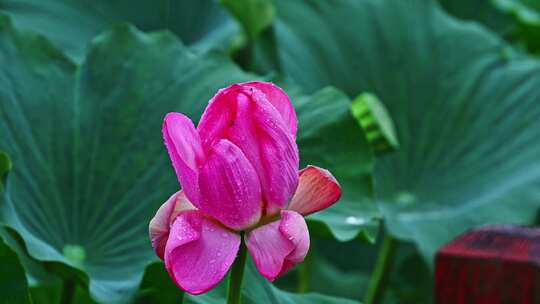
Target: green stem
(304,273)
(234,292)
(68,291)
(380,275)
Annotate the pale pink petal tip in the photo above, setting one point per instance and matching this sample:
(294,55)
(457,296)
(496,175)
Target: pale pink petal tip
(160,224)
(199,252)
(279,246)
(317,190)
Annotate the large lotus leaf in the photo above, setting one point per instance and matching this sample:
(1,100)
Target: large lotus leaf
(71,24)
(45,286)
(329,269)
(333,272)
(13,286)
(5,166)
(89,166)
(467,114)
(483,11)
(257,290)
(331,138)
(516,20)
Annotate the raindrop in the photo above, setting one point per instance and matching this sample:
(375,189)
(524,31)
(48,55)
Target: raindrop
(352,220)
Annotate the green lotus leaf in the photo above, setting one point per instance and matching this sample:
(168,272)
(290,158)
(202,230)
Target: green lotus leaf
(259,290)
(13,285)
(466,113)
(332,272)
(89,166)
(5,166)
(331,138)
(484,12)
(518,21)
(71,24)
(157,287)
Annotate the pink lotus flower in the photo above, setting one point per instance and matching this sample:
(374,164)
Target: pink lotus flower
(239,172)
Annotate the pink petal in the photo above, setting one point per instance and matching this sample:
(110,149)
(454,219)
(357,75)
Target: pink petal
(161,222)
(218,116)
(280,245)
(280,100)
(279,156)
(230,188)
(184,147)
(199,252)
(259,150)
(243,132)
(244,115)
(317,190)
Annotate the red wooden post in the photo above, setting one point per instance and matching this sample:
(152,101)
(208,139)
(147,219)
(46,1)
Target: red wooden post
(490,265)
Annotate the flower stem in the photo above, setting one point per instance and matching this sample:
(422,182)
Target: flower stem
(234,291)
(381,273)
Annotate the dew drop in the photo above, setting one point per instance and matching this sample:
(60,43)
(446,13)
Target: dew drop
(352,220)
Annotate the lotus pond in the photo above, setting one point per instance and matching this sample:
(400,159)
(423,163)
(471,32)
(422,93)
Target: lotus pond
(348,141)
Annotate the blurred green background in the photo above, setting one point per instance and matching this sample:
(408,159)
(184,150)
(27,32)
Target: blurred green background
(427,112)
